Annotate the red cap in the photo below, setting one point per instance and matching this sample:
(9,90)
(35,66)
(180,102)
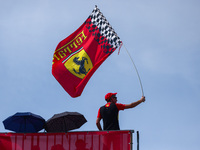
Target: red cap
(109,95)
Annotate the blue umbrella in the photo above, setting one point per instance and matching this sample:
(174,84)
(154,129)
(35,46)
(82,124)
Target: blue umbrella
(24,122)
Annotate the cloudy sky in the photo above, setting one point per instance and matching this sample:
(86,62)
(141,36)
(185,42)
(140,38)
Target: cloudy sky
(163,38)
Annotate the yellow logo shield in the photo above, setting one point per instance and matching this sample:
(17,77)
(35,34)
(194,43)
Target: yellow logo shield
(79,63)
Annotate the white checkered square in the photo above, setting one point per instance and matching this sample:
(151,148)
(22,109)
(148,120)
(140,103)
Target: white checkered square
(105,28)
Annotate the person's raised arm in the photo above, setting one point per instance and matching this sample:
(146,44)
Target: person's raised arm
(98,124)
(131,105)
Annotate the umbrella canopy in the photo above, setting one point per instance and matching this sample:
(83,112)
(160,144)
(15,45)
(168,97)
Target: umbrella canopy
(24,122)
(65,121)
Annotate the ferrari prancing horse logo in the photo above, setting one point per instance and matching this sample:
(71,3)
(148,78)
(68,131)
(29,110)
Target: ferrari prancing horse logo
(78,63)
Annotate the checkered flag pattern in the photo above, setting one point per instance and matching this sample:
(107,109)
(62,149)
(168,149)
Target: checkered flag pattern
(105,28)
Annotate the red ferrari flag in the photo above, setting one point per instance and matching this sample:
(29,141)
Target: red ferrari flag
(78,56)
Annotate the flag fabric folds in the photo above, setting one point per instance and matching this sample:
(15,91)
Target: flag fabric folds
(78,56)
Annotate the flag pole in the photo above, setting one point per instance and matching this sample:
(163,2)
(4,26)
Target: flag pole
(135,70)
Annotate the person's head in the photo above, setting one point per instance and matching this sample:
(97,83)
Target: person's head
(111,97)
(80,144)
(58,146)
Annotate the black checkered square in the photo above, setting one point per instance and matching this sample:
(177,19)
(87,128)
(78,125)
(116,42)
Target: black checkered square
(105,28)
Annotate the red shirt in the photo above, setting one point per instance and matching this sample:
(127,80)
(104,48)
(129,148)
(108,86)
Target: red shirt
(119,107)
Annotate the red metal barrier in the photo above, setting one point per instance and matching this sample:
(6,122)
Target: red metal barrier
(88,140)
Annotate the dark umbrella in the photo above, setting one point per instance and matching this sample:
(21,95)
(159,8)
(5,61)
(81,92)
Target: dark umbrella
(25,122)
(65,121)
